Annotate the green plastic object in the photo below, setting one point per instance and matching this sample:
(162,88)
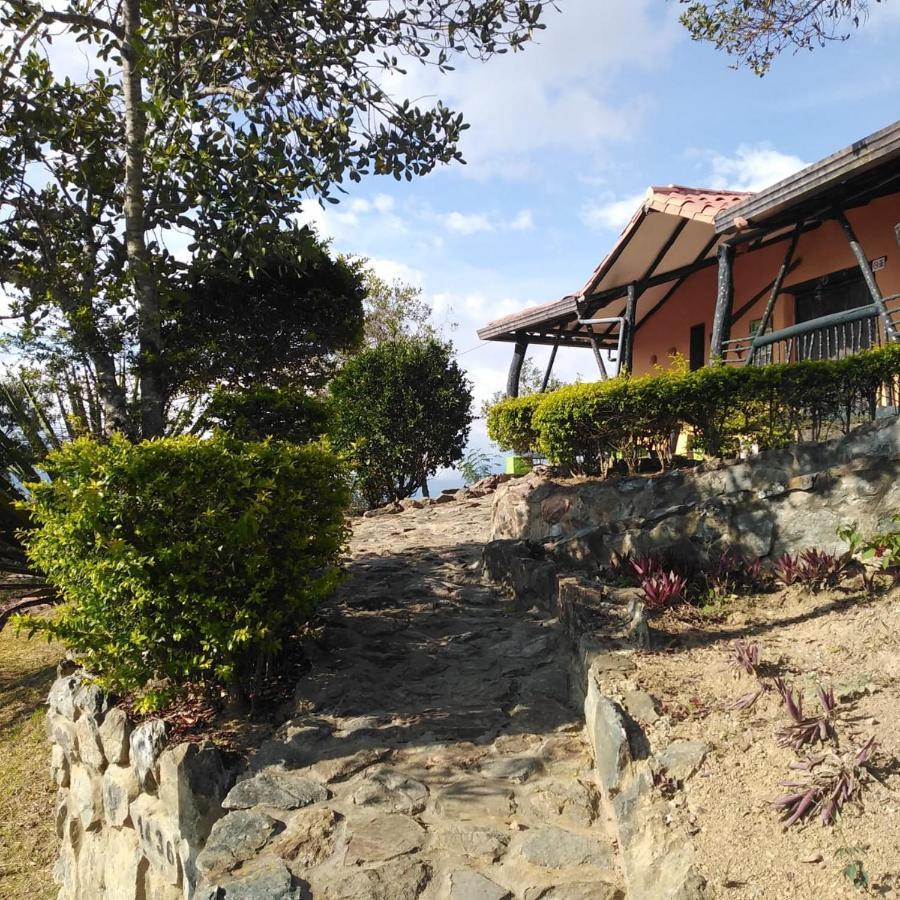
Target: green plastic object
(517,465)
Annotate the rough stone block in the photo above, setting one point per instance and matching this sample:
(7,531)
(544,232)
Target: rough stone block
(120,787)
(85,797)
(268,880)
(158,837)
(193,782)
(608,738)
(467,884)
(59,766)
(115,731)
(89,699)
(146,743)
(61,731)
(277,789)
(61,698)
(90,750)
(235,838)
(556,848)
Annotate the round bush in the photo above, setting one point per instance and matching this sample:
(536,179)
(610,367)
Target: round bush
(184,558)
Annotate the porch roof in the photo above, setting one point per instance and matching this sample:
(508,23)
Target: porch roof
(673,229)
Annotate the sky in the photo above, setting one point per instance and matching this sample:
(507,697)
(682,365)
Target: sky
(566,137)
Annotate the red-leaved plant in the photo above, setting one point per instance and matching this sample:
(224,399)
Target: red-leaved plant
(661,588)
(828,783)
(806,729)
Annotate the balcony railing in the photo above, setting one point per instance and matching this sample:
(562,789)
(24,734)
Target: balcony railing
(828,337)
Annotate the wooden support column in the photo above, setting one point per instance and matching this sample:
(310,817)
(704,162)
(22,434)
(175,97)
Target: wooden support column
(776,290)
(598,355)
(724,301)
(868,275)
(552,359)
(515,368)
(630,316)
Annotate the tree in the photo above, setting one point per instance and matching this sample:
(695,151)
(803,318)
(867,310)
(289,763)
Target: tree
(204,121)
(394,310)
(401,410)
(754,32)
(277,314)
(531,380)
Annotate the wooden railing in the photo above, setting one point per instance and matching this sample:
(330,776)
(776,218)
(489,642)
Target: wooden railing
(828,337)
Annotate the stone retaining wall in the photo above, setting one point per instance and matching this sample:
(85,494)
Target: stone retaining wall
(131,816)
(775,502)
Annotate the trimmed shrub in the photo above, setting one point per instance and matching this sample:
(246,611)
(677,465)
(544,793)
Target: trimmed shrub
(260,412)
(509,423)
(185,559)
(585,427)
(402,410)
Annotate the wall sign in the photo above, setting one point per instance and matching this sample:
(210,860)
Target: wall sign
(879,264)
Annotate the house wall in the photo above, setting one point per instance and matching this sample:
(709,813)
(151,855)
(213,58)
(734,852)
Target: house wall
(820,252)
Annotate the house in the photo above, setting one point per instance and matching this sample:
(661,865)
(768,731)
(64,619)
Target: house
(807,268)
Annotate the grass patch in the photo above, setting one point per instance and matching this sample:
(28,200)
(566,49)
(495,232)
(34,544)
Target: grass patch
(27,836)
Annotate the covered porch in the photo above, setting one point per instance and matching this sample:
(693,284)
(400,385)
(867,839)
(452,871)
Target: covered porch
(805,269)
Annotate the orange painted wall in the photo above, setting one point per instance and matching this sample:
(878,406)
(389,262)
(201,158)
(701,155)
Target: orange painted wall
(820,252)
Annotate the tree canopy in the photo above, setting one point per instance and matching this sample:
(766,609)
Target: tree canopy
(755,32)
(402,410)
(197,126)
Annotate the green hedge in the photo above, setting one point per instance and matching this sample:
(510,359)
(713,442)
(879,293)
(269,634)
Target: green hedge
(510,425)
(585,427)
(185,559)
(257,412)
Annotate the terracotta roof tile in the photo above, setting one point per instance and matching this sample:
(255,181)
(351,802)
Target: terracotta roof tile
(692,203)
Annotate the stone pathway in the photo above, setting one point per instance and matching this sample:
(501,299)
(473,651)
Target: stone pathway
(434,754)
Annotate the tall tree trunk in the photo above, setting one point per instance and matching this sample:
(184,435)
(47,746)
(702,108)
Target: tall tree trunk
(112,397)
(149,332)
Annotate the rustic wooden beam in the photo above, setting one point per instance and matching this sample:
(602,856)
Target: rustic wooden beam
(786,265)
(515,368)
(549,369)
(868,275)
(630,315)
(724,301)
(595,346)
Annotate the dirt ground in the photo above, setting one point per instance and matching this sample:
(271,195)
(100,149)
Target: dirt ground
(842,639)
(27,839)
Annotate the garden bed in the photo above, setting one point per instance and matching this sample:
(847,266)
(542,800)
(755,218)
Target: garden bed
(839,638)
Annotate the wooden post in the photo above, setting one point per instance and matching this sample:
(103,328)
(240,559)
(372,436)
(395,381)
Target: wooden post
(515,368)
(868,275)
(630,317)
(776,290)
(598,355)
(724,301)
(546,380)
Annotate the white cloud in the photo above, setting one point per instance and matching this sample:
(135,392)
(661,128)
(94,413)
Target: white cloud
(524,221)
(467,223)
(752,167)
(611,214)
(561,93)
(392,269)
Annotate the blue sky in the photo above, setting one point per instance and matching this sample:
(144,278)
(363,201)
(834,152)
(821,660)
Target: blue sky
(566,136)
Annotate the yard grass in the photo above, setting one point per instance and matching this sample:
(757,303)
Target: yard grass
(27,836)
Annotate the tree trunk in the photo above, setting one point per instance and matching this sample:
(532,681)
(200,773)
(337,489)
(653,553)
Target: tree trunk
(112,397)
(147,295)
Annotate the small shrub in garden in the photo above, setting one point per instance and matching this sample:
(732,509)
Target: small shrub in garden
(805,730)
(818,569)
(877,553)
(786,569)
(663,588)
(825,783)
(510,423)
(185,559)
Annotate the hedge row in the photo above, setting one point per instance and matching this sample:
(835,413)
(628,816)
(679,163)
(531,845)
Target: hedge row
(585,427)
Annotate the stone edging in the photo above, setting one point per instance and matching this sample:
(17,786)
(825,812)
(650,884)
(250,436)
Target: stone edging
(131,814)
